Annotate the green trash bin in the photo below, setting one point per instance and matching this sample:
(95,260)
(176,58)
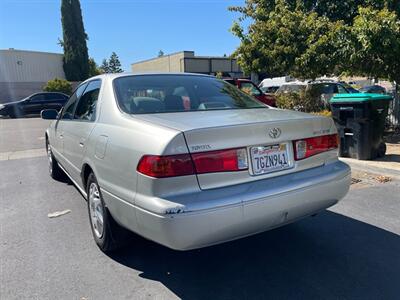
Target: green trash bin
(360,120)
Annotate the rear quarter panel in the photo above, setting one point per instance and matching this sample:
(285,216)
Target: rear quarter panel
(114,148)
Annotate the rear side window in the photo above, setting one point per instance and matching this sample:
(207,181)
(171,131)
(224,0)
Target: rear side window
(86,108)
(38,98)
(55,96)
(142,94)
(68,111)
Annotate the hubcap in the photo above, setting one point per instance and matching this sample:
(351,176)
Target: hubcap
(96,210)
(50,158)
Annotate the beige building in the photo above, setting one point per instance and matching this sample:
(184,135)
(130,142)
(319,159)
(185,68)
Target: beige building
(25,72)
(186,61)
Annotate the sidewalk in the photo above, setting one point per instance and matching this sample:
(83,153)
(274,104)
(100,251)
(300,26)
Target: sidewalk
(386,166)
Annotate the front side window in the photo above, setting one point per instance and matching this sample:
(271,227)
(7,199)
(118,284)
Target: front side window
(68,111)
(86,108)
(342,90)
(178,93)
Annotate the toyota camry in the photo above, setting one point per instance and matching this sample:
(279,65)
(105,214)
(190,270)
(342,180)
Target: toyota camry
(188,160)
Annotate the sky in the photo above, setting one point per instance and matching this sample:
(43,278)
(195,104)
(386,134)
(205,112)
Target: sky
(135,29)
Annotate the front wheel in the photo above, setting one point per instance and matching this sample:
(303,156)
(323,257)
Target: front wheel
(54,169)
(108,235)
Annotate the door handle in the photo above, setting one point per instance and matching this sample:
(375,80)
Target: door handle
(82,143)
(61,136)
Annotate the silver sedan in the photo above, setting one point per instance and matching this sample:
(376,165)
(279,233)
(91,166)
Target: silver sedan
(190,161)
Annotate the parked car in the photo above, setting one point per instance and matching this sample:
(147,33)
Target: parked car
(269,89)
(225,167)
(373,89)
(326,89)
(331,88)
(293,87)
(34,104)
(250,88)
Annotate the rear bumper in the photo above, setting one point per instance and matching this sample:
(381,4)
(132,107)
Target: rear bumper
(263,205)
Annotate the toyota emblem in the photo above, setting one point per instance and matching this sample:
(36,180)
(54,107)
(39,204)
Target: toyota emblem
(274,133)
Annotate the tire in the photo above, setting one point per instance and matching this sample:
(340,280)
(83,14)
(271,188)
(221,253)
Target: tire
(108,235)
(381,150)
(54,169)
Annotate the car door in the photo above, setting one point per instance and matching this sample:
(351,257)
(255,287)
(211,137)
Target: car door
(78,130)
(53,101)
(66,115)
(34,104)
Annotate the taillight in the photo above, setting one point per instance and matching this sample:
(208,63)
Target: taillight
(220,161)
(166,166)
(311,146)
(198,163)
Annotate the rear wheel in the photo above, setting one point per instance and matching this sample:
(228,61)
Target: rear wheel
(108,235)
(54,169)
(381,150)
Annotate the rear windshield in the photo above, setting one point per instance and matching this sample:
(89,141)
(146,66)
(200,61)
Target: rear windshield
(143,94)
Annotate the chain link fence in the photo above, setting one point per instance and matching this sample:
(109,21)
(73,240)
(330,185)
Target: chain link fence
(393,120)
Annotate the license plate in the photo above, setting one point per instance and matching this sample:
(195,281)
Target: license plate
(266,159)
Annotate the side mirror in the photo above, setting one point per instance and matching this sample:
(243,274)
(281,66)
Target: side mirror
(49,114)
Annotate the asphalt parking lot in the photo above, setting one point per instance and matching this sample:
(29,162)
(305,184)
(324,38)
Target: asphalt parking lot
(352,251)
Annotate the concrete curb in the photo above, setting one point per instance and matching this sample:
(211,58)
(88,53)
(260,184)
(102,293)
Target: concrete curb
(373,167)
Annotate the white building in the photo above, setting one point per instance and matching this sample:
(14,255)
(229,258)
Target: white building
(26,72)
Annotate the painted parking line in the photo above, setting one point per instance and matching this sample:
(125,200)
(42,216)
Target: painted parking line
(22,154)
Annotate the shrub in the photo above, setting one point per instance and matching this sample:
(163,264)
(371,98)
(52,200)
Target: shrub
(58,85)
(306,101)
(325,113)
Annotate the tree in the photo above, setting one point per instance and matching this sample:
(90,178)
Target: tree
(105,68)
(160,53)
(58,85)
(291,42)
(113,65)
(303,40)
(76,58)
(93,68)
(374,44)
(334,10)
(219,75)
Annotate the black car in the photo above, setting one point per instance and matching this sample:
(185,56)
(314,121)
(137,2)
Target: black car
(34,104)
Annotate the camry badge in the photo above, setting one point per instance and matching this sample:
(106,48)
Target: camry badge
(274,133)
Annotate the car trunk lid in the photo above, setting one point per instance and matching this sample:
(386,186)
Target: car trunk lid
(249,129)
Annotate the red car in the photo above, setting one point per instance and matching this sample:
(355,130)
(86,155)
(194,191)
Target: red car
(250,88)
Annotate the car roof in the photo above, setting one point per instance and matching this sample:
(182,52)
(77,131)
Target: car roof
(294,83)
(38,93)
(125,74)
